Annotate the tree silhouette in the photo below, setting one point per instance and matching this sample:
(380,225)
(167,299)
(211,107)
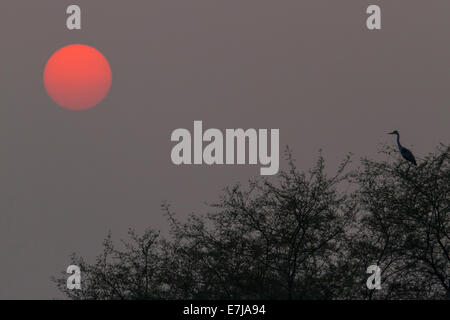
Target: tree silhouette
(404,226)
(306,235)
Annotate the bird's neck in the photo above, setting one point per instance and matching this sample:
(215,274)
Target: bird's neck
(398,140)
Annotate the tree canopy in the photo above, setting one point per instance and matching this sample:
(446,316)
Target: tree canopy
(304,235)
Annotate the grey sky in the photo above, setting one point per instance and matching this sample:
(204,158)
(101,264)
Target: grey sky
(309,68)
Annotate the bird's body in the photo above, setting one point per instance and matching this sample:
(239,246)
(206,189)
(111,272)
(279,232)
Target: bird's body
(406,153)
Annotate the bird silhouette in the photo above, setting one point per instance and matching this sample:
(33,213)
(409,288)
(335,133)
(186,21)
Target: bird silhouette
(406,153)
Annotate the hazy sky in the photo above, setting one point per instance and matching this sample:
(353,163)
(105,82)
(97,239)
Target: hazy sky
(309,68)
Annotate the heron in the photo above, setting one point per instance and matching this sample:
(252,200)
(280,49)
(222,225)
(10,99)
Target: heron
(406,153)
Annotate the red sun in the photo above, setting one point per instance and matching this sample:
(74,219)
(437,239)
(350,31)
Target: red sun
(77,77)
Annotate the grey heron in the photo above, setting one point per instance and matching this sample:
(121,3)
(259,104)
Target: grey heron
(406,154)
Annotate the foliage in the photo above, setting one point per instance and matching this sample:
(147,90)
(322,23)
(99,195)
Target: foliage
(304,236)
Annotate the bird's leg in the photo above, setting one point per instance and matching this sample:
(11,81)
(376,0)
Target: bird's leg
(409,167)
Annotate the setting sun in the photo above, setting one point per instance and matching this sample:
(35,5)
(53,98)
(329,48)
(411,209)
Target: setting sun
(77,77)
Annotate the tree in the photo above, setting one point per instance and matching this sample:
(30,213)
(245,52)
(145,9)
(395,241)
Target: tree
(135,272)
(404,226)
(304,235)
(274,241)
